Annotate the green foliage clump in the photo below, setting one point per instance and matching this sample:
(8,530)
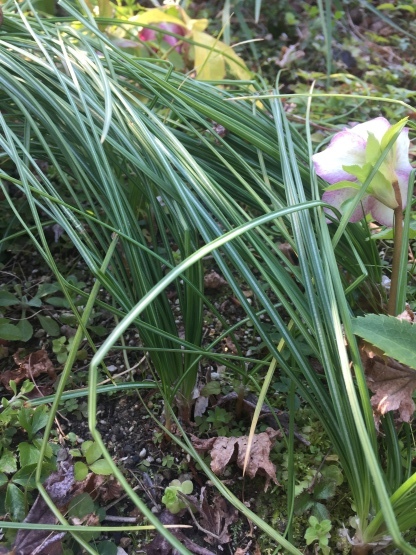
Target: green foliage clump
(172,498)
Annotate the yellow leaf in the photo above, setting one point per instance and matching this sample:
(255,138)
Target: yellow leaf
(155,15)
(192,24)
(210,64)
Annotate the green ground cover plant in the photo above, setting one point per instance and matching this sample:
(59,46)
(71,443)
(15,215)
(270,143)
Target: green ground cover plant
(148,173)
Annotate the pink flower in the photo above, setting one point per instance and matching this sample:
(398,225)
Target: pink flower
(351,156)
(151,35)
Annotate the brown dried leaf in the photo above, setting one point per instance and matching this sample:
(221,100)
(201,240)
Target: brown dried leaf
(30,367)
(110,490)
(241,551)
(214,281)
(216,517)
(87,520)
(225,450)
(91,484)
(392,383)
(407,315)
(229,346)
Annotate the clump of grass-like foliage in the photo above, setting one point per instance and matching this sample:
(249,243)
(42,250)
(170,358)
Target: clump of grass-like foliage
(130,141)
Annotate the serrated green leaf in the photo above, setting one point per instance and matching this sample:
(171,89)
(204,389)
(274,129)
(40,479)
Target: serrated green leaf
(27,387)
(26,475)
(324,490)
(3,479)
(24,418)
(80,471)
(320,511)
(48,448)
(303,503)
(333,473)
(49,325)
(28,453)
(15,503)
(101,467)
(39,419)
(211,388)
(8,462)
(396,338)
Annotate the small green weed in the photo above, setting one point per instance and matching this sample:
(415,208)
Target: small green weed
(218,420)
(62,347)
(319,531)
(91,452)
(172,499)
(18,460)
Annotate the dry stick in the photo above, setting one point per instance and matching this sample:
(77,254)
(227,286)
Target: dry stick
(397,248)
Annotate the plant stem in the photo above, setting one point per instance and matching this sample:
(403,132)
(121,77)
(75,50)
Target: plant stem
(397,248)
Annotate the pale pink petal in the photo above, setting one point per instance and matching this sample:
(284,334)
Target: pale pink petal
(337,198)
(345,149)
(377,127)
(380,212)
(403,179)
(402,164)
